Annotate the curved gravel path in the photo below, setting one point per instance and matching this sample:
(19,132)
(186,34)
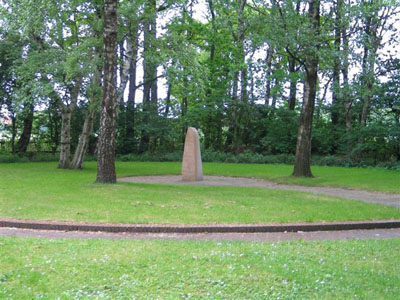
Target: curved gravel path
(352,194)
(251,237)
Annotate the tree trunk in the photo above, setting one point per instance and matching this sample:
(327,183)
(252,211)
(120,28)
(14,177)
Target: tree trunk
(25,137)
(130,113)
(53,126)
(13,132)
(293,71)
(268,76)
(84,139)
(336,67)
(65,151)
(210,119)
(345,73)
(368,65)
(184,106)
(293,83)
(94,102)
(109,104)
(231,139)
(167,102)
(66,114)
(274,96)
(239,102)
(149,73)
(303,147)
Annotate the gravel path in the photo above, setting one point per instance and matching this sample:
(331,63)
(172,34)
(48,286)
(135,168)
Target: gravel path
(251,237)
(366,196)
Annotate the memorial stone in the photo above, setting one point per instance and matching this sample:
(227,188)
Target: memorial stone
(192,169)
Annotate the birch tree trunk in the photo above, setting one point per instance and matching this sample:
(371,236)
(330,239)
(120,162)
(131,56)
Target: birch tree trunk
(109,104)
(84,139)
(66,114)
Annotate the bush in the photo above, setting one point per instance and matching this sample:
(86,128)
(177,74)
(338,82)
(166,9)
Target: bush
(35,157)
(215,156)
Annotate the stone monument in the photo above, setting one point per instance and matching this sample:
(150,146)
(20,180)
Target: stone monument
(192,169)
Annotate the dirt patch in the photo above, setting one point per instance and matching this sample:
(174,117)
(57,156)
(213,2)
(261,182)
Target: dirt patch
(366,196)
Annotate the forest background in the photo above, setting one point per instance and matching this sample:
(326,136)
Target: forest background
(237,70)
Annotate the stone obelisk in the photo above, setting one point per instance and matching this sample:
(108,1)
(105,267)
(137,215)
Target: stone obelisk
(192,169)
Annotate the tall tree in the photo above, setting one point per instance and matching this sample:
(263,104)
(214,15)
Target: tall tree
(109,105)
(150,86)
(336,62)
(302,165)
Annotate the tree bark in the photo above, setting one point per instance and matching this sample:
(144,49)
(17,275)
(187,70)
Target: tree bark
(83,142)
(66,114)
(109,104)
(210,130)
(268,76)
(65,150)
(293,71)
(239,102)
(346,95)
(13,132)
(87,128)
(54,126)
(303,147)
(336,66)
(25,137)
(368,66)
(293,83)
(149,73)
(130,108)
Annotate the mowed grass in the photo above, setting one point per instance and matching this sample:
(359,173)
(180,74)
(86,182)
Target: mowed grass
(41,191)
(381,180)
(103,269)
(356,178)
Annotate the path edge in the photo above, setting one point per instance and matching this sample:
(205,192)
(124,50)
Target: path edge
(198,228)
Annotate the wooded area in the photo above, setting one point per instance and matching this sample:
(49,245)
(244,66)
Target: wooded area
(260,76)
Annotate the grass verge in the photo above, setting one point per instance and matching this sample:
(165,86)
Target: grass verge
(41,191)
(103,269)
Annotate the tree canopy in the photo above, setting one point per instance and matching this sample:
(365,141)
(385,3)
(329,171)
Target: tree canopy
(271,77)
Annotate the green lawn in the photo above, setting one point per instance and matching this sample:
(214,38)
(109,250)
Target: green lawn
(41,191)
(103,269)
(357,178)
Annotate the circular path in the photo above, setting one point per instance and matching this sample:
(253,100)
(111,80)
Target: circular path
(251,237)
(352,194)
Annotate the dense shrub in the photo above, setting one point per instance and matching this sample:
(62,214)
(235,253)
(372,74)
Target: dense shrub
(215,156)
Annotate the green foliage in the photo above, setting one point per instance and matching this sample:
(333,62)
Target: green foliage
(217,72)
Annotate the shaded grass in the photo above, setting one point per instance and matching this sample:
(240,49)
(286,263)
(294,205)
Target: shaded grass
(102,269)
(357,178)
(41,191)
